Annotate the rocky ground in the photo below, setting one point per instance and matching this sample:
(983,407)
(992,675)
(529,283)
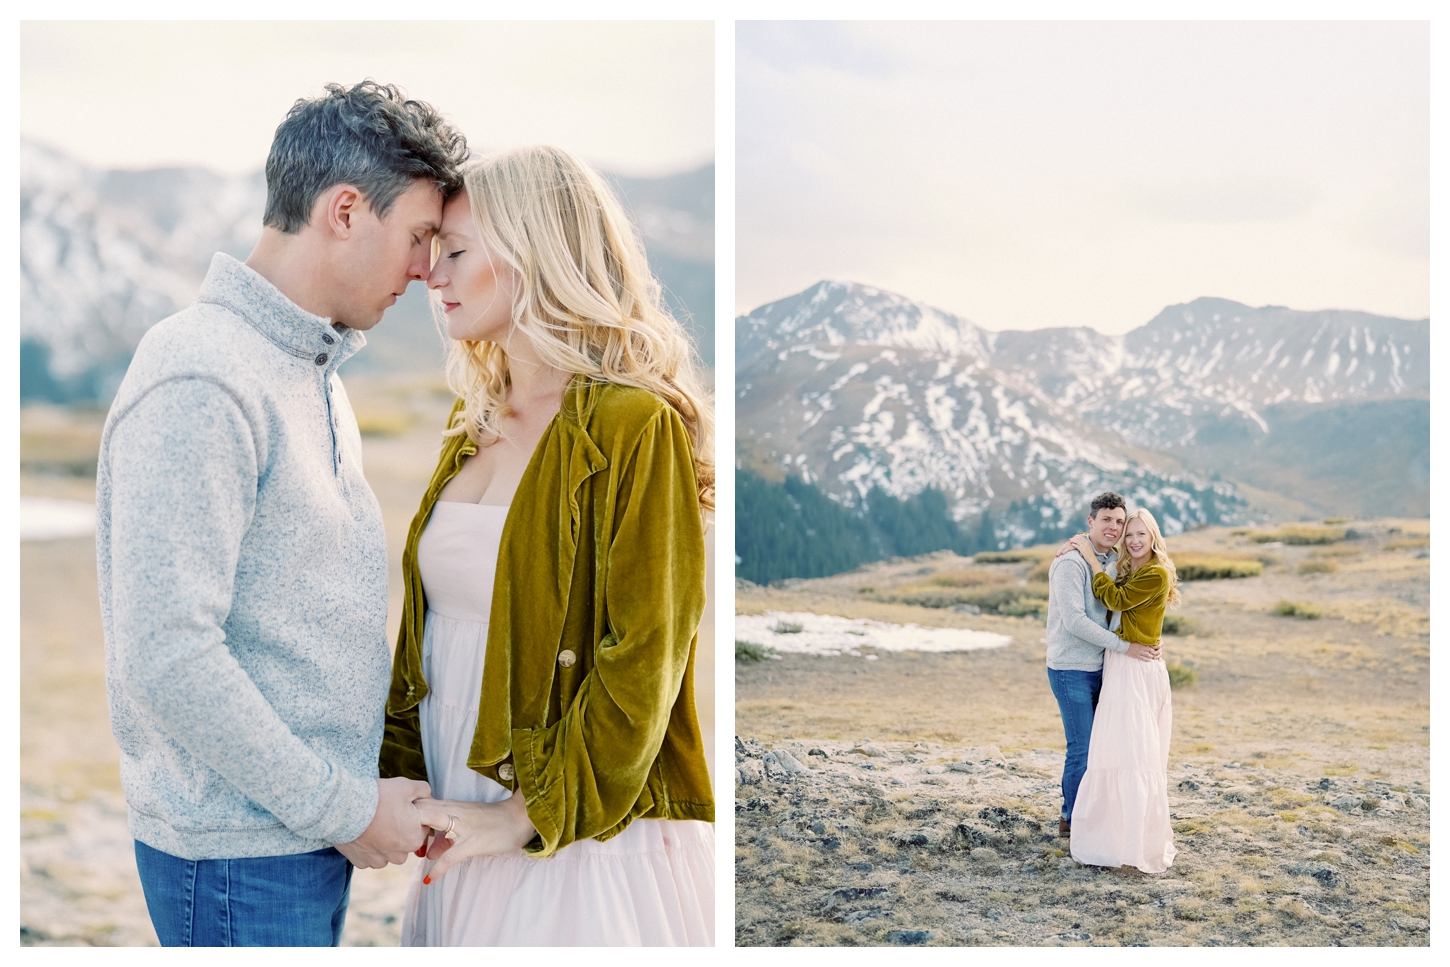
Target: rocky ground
(923,843)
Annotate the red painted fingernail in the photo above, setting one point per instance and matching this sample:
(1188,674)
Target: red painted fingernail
(422,850)
(427,880)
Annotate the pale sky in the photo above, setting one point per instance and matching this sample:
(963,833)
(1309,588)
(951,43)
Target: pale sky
(634,98)
(1026,175)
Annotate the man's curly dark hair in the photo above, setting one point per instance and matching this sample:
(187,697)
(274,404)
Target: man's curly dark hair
(370,136)
(1107,501)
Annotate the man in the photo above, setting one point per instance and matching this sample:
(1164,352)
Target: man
(1077,634)
(241,555)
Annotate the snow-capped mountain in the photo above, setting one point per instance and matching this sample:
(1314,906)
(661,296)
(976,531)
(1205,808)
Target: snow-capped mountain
(104,255)
(853,388)
(1197,366)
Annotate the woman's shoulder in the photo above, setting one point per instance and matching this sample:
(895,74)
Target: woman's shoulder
(1151,573)
(613,407)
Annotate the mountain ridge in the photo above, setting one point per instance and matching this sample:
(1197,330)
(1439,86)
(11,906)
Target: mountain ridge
(851,387)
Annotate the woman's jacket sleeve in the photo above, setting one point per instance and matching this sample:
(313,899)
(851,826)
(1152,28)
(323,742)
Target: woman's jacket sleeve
(590,773)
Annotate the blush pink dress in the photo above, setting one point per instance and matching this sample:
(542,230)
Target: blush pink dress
(1121,814)
(652,885)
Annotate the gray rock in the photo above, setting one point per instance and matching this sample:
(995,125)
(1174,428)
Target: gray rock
(1346,804)
(934,770)
(970,836)
(786,761)
(1238,794)
(870,749)
(963,767)
(847,895)
(820,752)
(750,772)
(1188,785)
(1328,877)
(923,836)
(910,938)
(856,916)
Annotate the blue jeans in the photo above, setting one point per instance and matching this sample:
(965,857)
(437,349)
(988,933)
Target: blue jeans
(264,901)
(1077,700)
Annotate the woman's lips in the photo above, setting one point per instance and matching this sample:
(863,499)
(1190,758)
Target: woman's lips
(450,306)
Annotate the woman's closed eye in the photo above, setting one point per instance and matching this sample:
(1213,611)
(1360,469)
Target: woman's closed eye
(454,255)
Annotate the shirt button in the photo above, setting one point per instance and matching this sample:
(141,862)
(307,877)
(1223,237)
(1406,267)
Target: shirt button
(505,772)
(567,658)
(321,359)
(327,339)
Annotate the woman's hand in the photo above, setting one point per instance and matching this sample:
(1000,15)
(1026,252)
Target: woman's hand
(1084,546)
(1067,548)
(479,828)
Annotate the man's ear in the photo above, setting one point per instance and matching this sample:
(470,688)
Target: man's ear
(339,205)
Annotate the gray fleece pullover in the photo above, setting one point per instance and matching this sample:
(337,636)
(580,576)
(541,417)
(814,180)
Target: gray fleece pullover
(243,580)
(1077,622)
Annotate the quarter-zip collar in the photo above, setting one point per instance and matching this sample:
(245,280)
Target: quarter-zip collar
(236,286)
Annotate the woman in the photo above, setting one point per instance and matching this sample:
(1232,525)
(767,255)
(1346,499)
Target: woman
(554,581)
(1121,814)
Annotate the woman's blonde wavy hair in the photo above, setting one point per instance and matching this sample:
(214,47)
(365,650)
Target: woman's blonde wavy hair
(586,301)
(1158,551)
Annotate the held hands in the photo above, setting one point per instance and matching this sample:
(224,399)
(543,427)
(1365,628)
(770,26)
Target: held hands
(478,828)
(1144,652)
(397,828)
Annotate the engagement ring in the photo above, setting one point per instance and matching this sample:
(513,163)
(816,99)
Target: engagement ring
(448,833)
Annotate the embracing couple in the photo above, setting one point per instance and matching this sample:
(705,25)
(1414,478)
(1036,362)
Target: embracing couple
(1108,590)
(534,736)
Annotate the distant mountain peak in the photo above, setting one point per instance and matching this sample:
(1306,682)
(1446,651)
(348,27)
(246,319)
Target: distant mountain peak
(834,314)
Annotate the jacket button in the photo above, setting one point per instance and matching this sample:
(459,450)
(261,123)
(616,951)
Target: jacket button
(327,339)
(505,772)
(321,359)
(567,658)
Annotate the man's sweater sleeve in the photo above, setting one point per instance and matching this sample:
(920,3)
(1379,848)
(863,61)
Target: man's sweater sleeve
(184,476)
(1067,584)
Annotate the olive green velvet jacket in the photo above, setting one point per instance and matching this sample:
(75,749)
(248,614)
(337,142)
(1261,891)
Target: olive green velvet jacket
(1142,599)
(588,701)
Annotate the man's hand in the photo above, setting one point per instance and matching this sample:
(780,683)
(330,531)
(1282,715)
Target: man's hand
(1144,652)
(396,829)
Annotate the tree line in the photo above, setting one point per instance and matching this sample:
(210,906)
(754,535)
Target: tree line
(793,530)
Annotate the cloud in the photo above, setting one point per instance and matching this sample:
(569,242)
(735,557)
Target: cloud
(1225,198)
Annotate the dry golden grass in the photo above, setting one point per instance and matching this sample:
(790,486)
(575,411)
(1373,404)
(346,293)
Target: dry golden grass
(1280,707)
(1301,534)
(1193,566)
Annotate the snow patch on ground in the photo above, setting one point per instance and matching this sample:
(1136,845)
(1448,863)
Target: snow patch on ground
(45,519)
(827,634)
